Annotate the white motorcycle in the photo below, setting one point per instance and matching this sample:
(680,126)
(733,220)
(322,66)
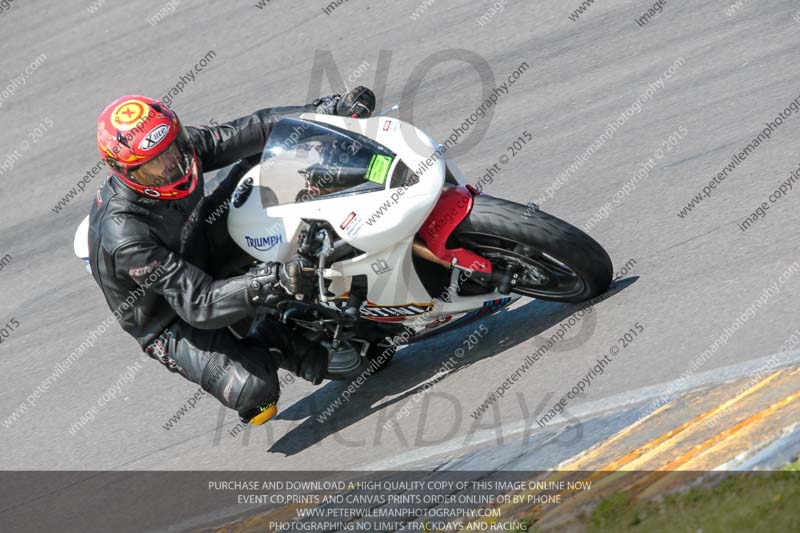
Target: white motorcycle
(404,248)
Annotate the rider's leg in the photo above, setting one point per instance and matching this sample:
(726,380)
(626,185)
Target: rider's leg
(240,373)
(305,359)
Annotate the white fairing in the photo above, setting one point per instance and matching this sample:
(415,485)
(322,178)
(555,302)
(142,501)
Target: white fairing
(403,217)
(382,223)
(80,243)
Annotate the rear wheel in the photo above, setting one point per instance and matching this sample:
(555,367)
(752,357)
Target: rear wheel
(551,259)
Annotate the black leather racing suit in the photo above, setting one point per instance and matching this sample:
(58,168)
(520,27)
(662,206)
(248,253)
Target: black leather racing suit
(157,262)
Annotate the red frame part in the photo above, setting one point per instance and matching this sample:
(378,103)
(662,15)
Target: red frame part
(453,206)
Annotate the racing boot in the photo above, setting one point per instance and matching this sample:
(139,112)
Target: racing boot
(305,359)
(293,352)
(259,415)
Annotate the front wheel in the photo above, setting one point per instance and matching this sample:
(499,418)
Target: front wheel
(552,260)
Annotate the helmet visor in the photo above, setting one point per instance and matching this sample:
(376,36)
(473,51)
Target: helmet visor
(169,167)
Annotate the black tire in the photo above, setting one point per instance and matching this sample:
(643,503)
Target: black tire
(560,262)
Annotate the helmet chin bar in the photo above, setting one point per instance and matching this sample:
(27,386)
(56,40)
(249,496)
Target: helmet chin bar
(177,192)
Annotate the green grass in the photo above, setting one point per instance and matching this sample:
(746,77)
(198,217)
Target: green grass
(758,502)
(792,467)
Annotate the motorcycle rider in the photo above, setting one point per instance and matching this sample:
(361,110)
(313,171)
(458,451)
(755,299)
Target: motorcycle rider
(153,243)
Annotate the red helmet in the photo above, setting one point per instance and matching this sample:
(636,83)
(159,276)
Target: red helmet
(145,146)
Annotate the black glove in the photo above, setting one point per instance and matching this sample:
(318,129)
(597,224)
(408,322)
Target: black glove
(359,102)
(263,285)
(327,105)
(297,275)
(272,282)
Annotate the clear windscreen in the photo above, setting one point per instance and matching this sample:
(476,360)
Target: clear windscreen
(305,161)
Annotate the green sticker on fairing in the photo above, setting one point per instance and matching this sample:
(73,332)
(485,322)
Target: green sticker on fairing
(379,168)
